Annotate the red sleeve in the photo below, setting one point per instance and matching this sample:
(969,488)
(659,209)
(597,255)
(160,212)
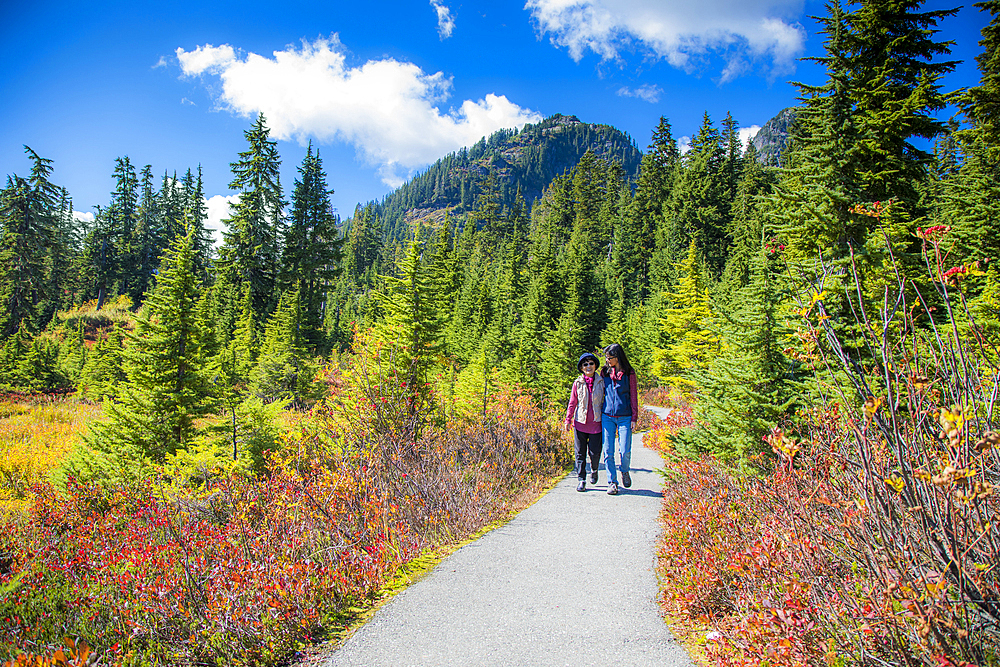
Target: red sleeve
(634,391)
(573,401)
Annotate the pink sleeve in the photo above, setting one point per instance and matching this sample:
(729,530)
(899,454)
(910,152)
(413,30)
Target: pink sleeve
(573,401)
(634,389)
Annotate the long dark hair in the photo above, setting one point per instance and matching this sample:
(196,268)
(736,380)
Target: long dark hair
(618,352)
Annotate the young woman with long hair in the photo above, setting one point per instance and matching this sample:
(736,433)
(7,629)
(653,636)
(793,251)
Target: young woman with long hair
(621,410)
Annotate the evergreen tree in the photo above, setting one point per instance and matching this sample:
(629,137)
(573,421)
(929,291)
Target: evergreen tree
(283,368)
(746,390)
(556,367)
(633,251)
(411,327)
(27,225)
(748,216)
(251,251)
(312,248)
(146,240)
(688,324)
(167,386)
(969,190)
(122,219)
(698,210)
(195,215)
(102,372)
(982,103)
(895,90)
(364,245)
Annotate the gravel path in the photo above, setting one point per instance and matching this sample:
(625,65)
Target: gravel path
(569,581)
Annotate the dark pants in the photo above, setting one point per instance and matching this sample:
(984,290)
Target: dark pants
(587,443)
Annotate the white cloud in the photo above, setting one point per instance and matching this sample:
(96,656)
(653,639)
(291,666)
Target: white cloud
(218,210)
(748,133)
(81,216)
(386,108)
(648,92)
(185,100)
(684,144)
(162,62)
(446,22)
(208,58)
(686,34)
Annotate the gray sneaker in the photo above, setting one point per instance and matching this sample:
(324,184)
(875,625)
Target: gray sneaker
(593,477)
(626,480)
(612,489)
(582,486)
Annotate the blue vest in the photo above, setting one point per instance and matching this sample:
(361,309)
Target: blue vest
(617,402)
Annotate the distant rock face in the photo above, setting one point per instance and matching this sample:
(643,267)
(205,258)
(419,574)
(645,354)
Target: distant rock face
(772,140)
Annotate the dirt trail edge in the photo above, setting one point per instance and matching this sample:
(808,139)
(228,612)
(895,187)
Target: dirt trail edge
(569,581)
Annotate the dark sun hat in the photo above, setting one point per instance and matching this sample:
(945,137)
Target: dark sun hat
(583,358)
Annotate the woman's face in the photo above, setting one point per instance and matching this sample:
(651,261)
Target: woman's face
(589,367)
(611,361)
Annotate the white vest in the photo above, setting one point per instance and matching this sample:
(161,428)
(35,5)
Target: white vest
(583,398)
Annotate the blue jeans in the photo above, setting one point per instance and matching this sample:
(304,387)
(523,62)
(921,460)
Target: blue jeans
(623,426)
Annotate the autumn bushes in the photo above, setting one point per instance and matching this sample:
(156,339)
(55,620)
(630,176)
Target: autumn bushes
(869,533)
(246,569)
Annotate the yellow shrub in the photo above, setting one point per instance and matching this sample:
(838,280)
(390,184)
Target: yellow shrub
(34,439)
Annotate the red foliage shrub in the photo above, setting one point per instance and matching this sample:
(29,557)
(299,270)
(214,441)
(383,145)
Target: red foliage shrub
(871,537)
(247,570)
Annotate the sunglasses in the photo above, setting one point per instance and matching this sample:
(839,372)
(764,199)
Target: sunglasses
(589,363)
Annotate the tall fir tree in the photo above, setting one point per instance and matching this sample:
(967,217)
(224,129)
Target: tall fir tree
(284,370)
(411,327)
(167,387)
(697,210)
(312,247)
(27,229)
(250,253)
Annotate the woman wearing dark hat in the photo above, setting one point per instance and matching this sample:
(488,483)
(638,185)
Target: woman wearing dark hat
(586,400)
(621,410)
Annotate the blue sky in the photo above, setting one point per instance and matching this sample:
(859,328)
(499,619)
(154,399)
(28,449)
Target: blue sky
(383,88)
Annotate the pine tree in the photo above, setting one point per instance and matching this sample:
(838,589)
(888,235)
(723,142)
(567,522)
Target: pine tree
(698,210)
(969,192)
(251,251)
(896,91)
(123,218)
(746,390)
(364,246)
(146,240)
(656,180)
(411,327)
(748,215)
(195,215)
(73,354)
(167,387)
(556,367)
(12,353)
(102,372)
(687,324)
(27,225)
(982,103)
(312,248)
(284,371)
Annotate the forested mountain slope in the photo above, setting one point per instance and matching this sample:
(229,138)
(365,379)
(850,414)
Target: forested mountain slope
(527,160)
